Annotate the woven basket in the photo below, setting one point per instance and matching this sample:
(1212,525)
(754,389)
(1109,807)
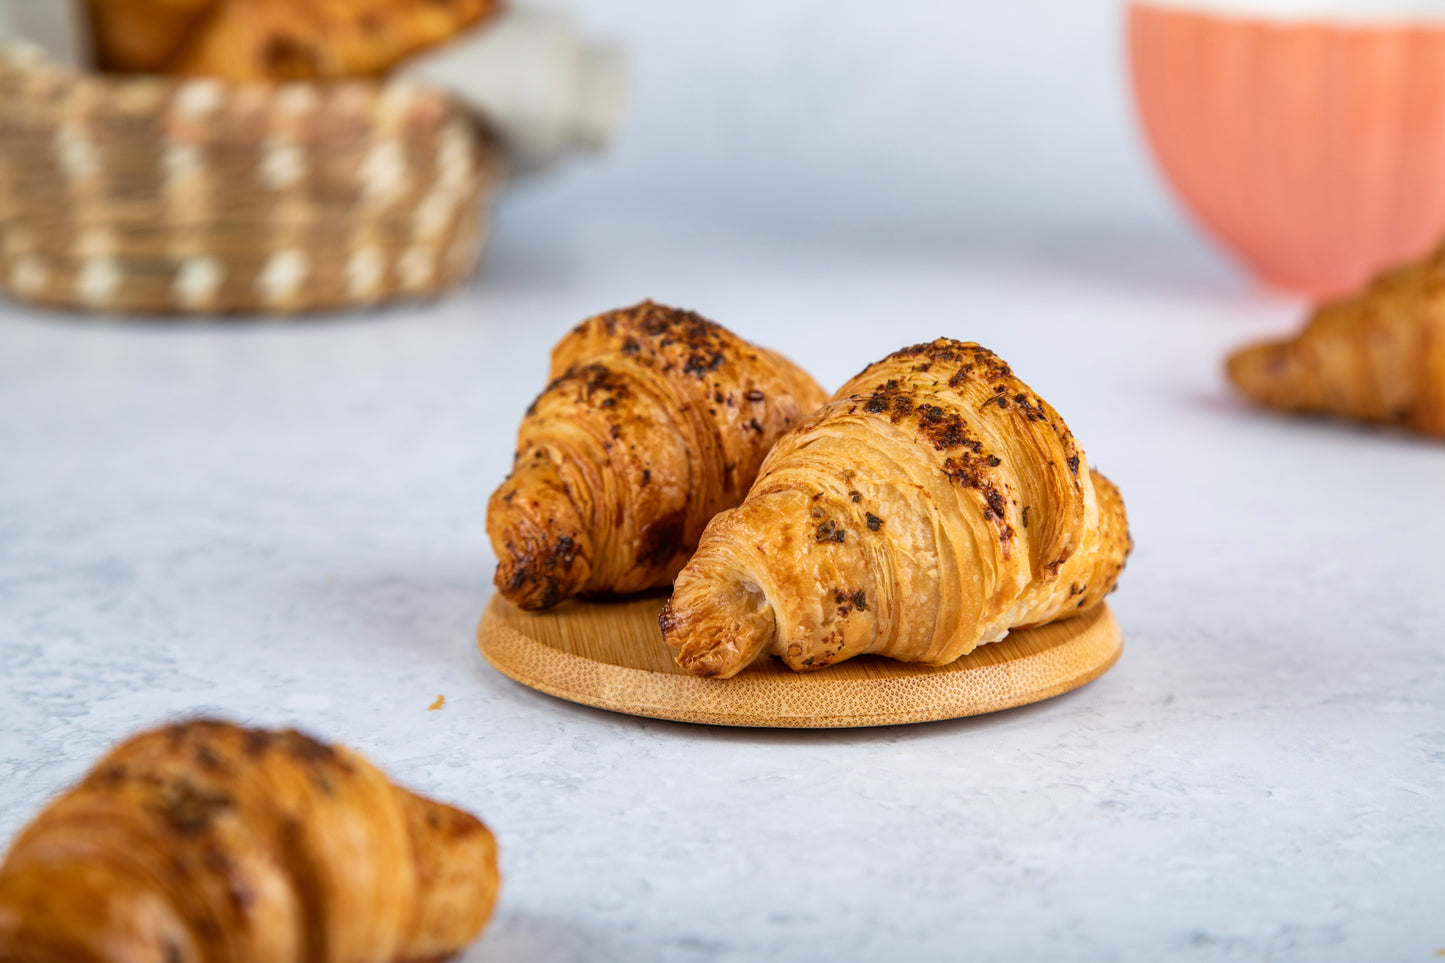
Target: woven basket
(168,196)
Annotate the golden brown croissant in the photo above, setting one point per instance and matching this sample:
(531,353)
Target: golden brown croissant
(655,420)
(1376,356)
(207,842)
(936,503)
(257,40)
(143,36)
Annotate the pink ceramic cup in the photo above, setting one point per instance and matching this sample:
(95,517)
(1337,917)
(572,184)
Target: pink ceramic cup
(1311,145)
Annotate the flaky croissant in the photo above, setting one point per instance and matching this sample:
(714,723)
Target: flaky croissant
(1377,356)
(207,842)
(654,421)
(936,503)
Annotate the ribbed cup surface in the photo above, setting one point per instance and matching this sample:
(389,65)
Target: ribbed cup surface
(1314,150)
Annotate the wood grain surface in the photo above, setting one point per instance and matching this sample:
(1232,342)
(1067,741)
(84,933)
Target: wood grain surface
(611,656)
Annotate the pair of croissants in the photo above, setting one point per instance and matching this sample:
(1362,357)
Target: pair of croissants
(204,842)
(935,503)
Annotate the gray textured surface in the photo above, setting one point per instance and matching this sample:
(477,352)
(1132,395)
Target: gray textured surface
(285,525)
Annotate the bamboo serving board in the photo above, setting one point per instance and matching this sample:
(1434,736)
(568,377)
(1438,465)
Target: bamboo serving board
(612,656)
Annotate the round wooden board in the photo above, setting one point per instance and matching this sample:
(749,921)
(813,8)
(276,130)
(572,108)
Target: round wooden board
(612,656)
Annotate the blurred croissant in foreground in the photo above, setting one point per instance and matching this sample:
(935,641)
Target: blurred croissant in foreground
(934,505)
(206,842)
(654,421)
(1377,356)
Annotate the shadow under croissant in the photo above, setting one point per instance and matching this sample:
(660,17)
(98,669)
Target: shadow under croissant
(1321,425)
(515,936)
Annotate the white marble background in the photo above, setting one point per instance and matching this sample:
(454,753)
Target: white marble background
(284,525)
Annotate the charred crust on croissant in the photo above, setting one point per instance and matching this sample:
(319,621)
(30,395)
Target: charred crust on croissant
(661,538)
(665,619)
(544,570)
(699,346)
(848,601)
(946,429)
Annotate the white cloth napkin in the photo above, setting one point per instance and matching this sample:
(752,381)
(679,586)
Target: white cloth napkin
(55,26)
(545,89)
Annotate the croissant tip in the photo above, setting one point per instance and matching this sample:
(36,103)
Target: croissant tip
(701,660)
(711,647)
(543,558)
(1254,369)
(710,663)
(529,589)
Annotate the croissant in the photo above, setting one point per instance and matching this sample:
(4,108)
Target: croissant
(655,420)
(936,503)
(207,842)
(1377,356)
(258,40)
(143,36)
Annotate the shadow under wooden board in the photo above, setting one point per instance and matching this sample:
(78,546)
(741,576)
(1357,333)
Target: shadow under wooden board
(612,656)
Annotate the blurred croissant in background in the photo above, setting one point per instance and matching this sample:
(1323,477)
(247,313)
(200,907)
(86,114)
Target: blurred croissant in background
(143,36)
(275,40)
(1377,356)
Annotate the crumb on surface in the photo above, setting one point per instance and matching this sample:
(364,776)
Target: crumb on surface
(440,701)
